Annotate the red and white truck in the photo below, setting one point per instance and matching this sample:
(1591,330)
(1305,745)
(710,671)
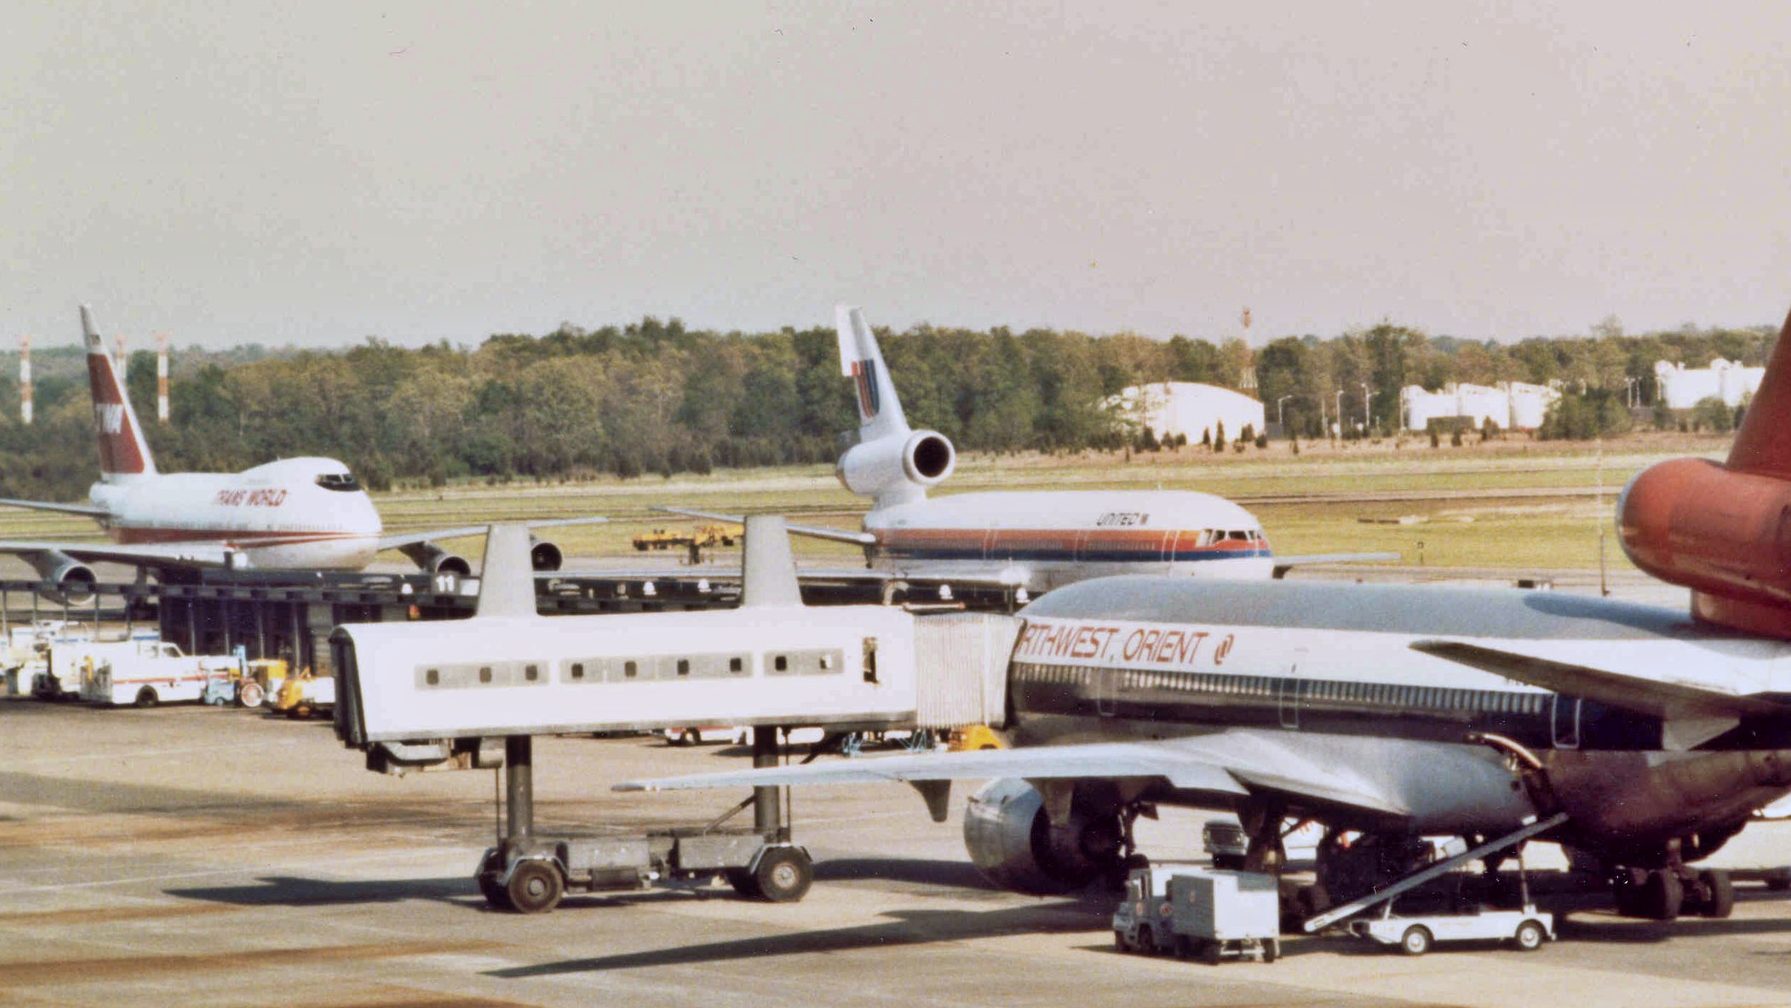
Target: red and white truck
(146,673)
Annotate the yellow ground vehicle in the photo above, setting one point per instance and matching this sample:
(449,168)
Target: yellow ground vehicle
(305,695)
(264,679)
(694,539)
(974,737)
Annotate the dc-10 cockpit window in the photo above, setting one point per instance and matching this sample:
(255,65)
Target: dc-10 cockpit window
(343,481)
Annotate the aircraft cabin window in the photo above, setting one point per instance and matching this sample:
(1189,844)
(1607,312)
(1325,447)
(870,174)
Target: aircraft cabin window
(684,666)
(433,677)
(485,673)
(736,665)
(343,481)
(630,670)
(782,664)
(531,673)
(578,670)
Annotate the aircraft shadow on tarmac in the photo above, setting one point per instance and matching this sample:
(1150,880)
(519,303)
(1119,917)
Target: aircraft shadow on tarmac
(286,890)
(907,927)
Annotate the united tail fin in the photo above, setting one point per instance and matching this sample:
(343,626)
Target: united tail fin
(123,451)
(1763,442)
(879,411)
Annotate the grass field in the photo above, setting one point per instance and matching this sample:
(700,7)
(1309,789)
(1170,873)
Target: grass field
(1512,504)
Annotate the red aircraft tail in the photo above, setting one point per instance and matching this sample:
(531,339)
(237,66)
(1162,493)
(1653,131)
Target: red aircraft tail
(1724,530)
(123,452)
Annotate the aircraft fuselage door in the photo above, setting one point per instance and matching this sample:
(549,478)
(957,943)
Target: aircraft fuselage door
(1106,686)
(1287,692)
(1565,722)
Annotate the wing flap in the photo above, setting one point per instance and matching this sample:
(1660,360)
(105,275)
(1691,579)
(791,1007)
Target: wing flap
(1234,763)
(197,554)
(1645,694)
(84,510)
(397,540)
(812,531)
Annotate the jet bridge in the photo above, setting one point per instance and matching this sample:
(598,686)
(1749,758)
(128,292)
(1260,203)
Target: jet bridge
(416,696)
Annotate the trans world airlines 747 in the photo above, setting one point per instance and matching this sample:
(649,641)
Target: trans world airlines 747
(1031,539)
(293,514)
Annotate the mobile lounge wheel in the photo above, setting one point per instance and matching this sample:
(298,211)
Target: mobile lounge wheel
(783,875)
(535,886)
(1529,936)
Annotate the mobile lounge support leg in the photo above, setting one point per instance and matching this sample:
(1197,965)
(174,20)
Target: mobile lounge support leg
(519,789)
(514,875)
(766,803)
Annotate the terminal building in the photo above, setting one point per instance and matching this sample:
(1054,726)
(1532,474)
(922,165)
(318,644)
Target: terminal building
(1509,405)
(1681,387)
(1189,408)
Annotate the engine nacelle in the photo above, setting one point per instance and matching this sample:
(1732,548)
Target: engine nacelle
(917,461)
(432,558)
(71,581)
(1009,839)
(1724,534)
(545,556)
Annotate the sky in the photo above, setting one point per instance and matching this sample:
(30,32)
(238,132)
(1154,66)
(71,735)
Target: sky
(318,173)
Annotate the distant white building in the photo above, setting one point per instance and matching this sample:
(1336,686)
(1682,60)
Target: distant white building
(1510,405)
(1189,408)
(1681,387)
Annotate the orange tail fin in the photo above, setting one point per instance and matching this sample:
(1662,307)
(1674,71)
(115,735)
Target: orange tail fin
(1763,442)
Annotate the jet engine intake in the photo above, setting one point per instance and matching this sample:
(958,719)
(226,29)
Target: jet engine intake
(545,556)
(1011,841)
(875,468)
(432,558)
(71,582)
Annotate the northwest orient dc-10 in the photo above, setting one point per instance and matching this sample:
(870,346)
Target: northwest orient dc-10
(1641,738)
(1028,539)
(293,514)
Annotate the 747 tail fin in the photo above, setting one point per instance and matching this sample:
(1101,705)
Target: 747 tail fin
(123,451)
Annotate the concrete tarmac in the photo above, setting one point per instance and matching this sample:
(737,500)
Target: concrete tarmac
(199,856)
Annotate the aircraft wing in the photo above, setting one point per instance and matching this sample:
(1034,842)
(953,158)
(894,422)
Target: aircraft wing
(1235,762)
(398,540)
(1283,564)
(1665,694)
(812,531)
(84,510)
(190,554)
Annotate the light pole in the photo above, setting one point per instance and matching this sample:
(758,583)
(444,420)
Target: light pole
(1281,417)
(1367,416)
(1339,411)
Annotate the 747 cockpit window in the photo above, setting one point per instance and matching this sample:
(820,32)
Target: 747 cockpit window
(344,481)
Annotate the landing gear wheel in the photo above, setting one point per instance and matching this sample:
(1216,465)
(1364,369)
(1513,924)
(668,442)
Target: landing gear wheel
(1271,950)
(1147,941)
(1721,894)
(851,744)
(146,697)
(1119,940)
(1184,946)
(535,886)
(1529,936)
(783,875)
(302,712)
(1415,941)
(1662,895)
(1211,952)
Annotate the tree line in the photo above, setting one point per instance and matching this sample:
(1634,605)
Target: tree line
(656,398)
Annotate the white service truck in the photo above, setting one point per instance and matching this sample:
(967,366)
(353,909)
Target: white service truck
(146,673)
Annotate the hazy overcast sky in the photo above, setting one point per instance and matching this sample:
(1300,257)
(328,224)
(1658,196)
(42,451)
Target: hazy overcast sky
(315,173)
